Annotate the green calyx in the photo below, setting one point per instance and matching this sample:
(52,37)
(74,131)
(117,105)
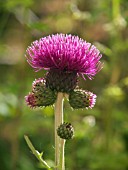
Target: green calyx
(61,81)
(65,131)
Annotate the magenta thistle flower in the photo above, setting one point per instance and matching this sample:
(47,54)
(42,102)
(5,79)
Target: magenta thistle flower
(65,53)
(65,57)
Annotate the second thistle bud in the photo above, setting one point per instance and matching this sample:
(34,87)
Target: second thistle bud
(40,95)
(65,131)
(82,99)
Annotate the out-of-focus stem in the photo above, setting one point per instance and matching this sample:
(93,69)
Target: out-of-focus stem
(116,8)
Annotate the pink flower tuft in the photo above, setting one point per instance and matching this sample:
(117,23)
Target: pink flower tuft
(92,99)
(31,100)
(65,53)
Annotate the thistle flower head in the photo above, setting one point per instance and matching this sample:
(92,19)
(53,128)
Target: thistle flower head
(64,53)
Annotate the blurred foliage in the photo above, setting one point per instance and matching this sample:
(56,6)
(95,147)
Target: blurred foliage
(101,134)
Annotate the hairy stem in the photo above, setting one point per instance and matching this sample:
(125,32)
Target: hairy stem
(59,143)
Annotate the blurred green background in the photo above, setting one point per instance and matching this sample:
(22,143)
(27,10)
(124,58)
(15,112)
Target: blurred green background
(101,134)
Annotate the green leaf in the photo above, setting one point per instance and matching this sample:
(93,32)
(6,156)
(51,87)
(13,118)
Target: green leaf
(36,153)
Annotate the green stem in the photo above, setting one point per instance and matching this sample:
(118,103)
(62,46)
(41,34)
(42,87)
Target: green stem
(59,143)
(62,158)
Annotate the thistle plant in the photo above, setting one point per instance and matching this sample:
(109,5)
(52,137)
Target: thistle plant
(65,57)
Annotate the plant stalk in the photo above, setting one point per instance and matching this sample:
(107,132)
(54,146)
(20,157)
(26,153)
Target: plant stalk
(59,143)
(62,157)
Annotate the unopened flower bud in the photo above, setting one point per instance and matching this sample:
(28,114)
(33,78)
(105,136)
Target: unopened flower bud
(82,99)
(40,96)
(65,131)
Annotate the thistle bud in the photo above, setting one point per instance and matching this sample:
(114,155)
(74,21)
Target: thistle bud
(40,95)
(65,131)
(82,99)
